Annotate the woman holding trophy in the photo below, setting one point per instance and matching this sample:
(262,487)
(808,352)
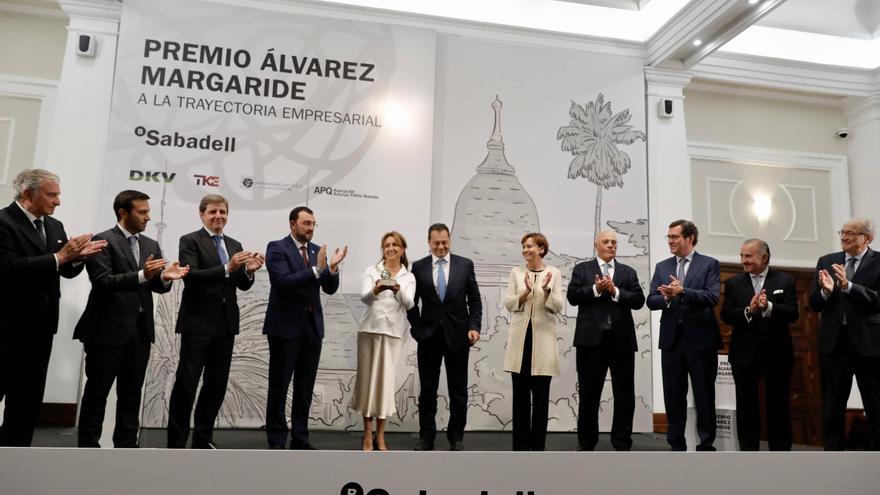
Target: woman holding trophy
(388,290)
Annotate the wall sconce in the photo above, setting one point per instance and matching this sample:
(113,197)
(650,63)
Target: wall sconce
(762,207)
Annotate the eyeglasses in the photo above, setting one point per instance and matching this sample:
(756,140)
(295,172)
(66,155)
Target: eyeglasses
(849,233)
(673,237)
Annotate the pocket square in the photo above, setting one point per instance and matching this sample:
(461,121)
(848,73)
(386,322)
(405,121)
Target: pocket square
(59,241)
(778,291)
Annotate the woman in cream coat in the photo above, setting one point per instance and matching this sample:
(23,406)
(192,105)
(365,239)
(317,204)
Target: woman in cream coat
(388,290)
(534,296)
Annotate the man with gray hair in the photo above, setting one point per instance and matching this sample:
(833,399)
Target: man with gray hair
(846,290)
(760,303)
(34,254)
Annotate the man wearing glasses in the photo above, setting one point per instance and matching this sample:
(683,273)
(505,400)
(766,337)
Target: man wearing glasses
(294,325)
(686,287)
(846,290)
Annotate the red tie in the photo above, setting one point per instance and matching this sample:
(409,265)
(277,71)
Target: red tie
(305,254)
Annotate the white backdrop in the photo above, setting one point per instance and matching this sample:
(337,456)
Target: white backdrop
(370,156)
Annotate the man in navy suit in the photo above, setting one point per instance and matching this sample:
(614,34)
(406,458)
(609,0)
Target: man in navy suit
(294,325)
(34,254)
(445,327)
(208,322)
(606,293)
(846,290)
(760,303)
(686,287)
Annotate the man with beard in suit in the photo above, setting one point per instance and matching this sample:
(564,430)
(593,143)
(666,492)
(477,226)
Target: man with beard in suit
(445,326)
(606,293)
(760,303)
(34,254)
(117,327)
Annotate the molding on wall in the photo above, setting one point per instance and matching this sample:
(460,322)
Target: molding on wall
(786,188)
(788,75)
(835,165)
(749,92)
(710,228)
(7,159)
(33,88)
(17,8)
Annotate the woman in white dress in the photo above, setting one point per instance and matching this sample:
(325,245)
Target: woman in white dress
(534,297)
(388,290)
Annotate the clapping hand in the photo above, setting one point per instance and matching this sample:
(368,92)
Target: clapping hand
(337,257)
(672,289)
(826,282)
(255,262)
(174,272)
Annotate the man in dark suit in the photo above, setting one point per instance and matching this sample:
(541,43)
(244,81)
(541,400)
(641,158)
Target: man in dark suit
(116,327)
(686,287)
(34,254)
(606,293)
(760,303)
(445,327)
(294,325)
(846,290)
(208,322)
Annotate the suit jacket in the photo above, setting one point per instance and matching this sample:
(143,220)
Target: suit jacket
(460,311)
(691,312)
(117,297)
(770,335)
(209,304)
(593,312)
(861,306)
(539,310)
(294,308)
(31,289)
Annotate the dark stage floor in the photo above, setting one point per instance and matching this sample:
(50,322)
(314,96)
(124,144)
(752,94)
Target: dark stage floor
(336,440)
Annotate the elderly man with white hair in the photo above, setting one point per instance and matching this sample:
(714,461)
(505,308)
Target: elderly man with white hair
(846,290)
(34,254)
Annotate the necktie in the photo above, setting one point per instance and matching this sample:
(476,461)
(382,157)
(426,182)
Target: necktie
(441,279)
(680,273)
(218,242)
(135,249)
(850,268)
(303,250)
(758,283)
(38,223)
(605,271)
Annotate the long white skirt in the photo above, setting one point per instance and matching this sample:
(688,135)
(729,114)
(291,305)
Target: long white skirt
(376,367)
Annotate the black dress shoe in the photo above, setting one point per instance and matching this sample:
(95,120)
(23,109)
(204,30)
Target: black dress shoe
(424,445)
(276,447)
(456,445)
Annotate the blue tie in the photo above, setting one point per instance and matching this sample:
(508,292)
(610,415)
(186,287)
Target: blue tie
(220,251)
(135,249)
(441,279)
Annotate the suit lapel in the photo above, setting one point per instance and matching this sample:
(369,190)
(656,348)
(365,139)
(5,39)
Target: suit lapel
(207,244)
(125,248)
(868,259)
(691,270)
(28,229)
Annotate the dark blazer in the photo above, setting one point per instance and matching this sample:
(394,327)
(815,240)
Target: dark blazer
(861,305)
(769,334)
(460,311)
(209,303)
(593,311)
(31,290)
(692,311)
(111,314)
(294,297)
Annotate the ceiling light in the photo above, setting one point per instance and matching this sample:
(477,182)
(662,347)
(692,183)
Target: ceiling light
(698,42)
(753,2)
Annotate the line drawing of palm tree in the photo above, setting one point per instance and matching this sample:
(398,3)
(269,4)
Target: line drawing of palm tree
(593,135)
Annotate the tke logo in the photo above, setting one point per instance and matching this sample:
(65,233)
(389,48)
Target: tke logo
(147,176)
(207,180)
